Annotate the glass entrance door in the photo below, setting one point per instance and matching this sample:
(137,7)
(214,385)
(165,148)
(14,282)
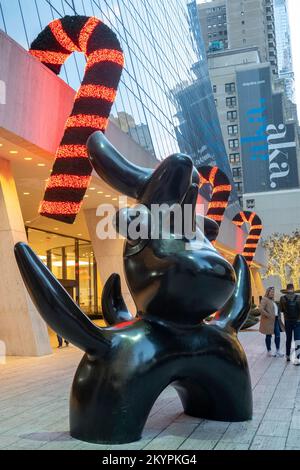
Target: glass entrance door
(73,263)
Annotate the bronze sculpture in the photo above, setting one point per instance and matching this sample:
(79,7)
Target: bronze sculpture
(127,365)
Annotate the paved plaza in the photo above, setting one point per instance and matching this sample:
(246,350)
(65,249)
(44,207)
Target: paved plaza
(34,396)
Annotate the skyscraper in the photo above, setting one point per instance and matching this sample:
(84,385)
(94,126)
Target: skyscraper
(284,53)
(251,23)
(236,24)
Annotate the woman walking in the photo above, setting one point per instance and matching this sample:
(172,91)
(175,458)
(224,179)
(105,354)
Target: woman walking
(270,321)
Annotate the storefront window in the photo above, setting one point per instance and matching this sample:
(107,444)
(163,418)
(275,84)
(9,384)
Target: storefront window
(73,263)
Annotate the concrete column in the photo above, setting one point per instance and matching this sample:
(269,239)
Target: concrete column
(109,256)
(21,328)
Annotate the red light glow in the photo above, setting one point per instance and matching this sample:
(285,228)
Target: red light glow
(97,91)
(105,55)
(61,36)
(86,33)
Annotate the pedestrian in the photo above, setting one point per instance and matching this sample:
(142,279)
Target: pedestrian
(270,321)
(60,342)
(290,306)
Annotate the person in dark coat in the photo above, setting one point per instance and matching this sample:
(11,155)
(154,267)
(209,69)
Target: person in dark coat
(270,321)
(60,342)
(290,306)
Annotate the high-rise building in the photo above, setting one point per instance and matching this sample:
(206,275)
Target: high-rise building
(236,24)
(252,23)
(284,52)
(213,21)
(138,132)
(223,69)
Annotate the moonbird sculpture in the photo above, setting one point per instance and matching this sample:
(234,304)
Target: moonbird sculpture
(127,365)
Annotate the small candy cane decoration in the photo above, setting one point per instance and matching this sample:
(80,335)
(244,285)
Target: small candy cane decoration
(247,217)
(221,189)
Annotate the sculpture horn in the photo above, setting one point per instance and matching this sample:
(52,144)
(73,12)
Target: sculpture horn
(236,310)
(56,306)
(114,169)
(114,309)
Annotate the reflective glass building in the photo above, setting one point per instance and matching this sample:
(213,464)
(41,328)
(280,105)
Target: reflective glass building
(159,56)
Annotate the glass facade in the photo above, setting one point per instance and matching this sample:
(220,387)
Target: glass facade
(72,262)
(158,49)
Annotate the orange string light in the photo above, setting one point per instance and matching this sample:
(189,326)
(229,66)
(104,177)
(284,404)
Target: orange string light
(56,58)
(222,188)
(97,91)
(72,151)
(217,218)
(218,205)
(59,207)
(105,55)
(86,32)
(212,175)
(69,181)
(87,120)
(61,36)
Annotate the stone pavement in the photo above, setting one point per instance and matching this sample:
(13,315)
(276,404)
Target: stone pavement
(34,395)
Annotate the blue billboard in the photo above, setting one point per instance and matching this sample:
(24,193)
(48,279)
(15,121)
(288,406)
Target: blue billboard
(268,144)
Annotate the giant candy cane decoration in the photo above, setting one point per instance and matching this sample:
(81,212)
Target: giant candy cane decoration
(72,170)
(247,217)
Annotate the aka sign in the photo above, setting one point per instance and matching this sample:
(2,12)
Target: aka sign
(279,146)
(268,144)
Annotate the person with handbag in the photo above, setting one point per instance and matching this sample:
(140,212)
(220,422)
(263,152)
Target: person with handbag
(270,321)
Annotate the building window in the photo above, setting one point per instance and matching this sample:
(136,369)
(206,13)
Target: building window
(230,87)
(216,102)
(233,143)
(231,102)
(237,172)
(238,186)
(215,88)
(231,115)
(250,203)
(232,130)
(234,158)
